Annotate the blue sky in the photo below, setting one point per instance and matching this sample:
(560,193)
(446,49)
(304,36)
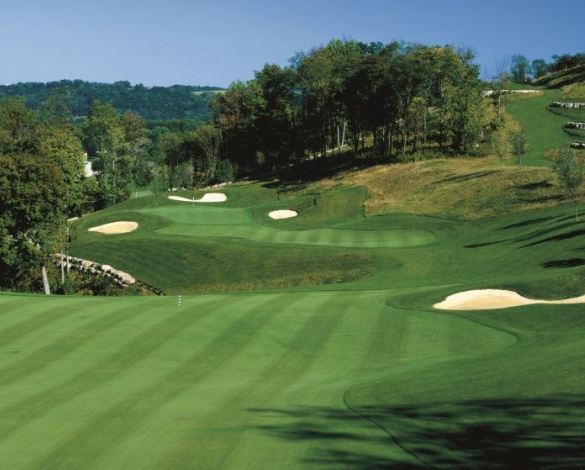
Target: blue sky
(195,42)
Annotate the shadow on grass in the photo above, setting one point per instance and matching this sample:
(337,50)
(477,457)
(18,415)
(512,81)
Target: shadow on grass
(537,433)
(319,168)
(559,237)
(565,263)
(544,184)
(466,177)
(481,245)
(525,223)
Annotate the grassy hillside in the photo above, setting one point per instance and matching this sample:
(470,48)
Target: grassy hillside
(363,375)
(462,188)
(563,77)
(543,128)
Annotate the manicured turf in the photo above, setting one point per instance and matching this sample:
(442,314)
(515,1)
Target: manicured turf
(308,372)
(543,129)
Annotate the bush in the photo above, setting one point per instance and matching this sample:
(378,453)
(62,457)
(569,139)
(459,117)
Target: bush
(224,172)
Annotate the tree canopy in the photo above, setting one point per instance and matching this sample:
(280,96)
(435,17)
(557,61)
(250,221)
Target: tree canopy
(41,172)
(152,103)
(399,96)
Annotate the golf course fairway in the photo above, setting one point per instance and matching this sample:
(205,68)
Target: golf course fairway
(307,342)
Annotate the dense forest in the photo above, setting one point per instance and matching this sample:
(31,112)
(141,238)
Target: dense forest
(393,100)
(152,103)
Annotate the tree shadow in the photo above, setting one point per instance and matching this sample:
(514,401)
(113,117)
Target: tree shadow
(544,184)
(525,223)
(465,177)
(307,171)
(484,244)
(545,231)
(565,263)
(533,433)
(559,237)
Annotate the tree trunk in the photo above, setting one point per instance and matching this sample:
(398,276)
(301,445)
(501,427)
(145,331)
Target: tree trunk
(343,134)
(425,128)
(67,249)
(45,280)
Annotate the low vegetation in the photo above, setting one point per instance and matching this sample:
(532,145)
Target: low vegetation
(462,188)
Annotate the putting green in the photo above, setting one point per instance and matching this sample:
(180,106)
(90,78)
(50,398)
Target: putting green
(198,215)
(328,237)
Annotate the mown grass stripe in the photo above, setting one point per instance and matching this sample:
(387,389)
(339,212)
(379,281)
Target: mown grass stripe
(303,352)
(386,340)
(68,342)
(11,305)
(38,321)
(229,378)
(105,429)
(136,350)
(12,313)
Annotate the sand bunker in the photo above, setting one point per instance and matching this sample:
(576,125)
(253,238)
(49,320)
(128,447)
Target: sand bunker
(115,228)
(282,214)
(208,197)
(490,299)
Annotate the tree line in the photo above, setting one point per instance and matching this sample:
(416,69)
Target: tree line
(522,70)
(391,99)
(152,103)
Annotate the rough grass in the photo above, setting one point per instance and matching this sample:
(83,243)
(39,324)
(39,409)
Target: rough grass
(178,265)
(562,78)
(463,188)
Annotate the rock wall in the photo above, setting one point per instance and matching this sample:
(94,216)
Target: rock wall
(575,125)
(560,104)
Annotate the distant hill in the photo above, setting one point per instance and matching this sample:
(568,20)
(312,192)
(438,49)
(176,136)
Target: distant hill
(152,103)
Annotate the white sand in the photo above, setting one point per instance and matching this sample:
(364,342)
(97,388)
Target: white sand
(115,228)
(282,214)
(489,299)
(208,197)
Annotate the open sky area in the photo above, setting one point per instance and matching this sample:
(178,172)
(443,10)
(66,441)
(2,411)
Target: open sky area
(206,42)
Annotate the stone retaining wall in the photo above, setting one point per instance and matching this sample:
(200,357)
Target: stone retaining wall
(575,125)
(560,104)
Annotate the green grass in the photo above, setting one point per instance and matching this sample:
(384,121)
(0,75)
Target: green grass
(310,342)
(183,247)
(543,129)
(355,375)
